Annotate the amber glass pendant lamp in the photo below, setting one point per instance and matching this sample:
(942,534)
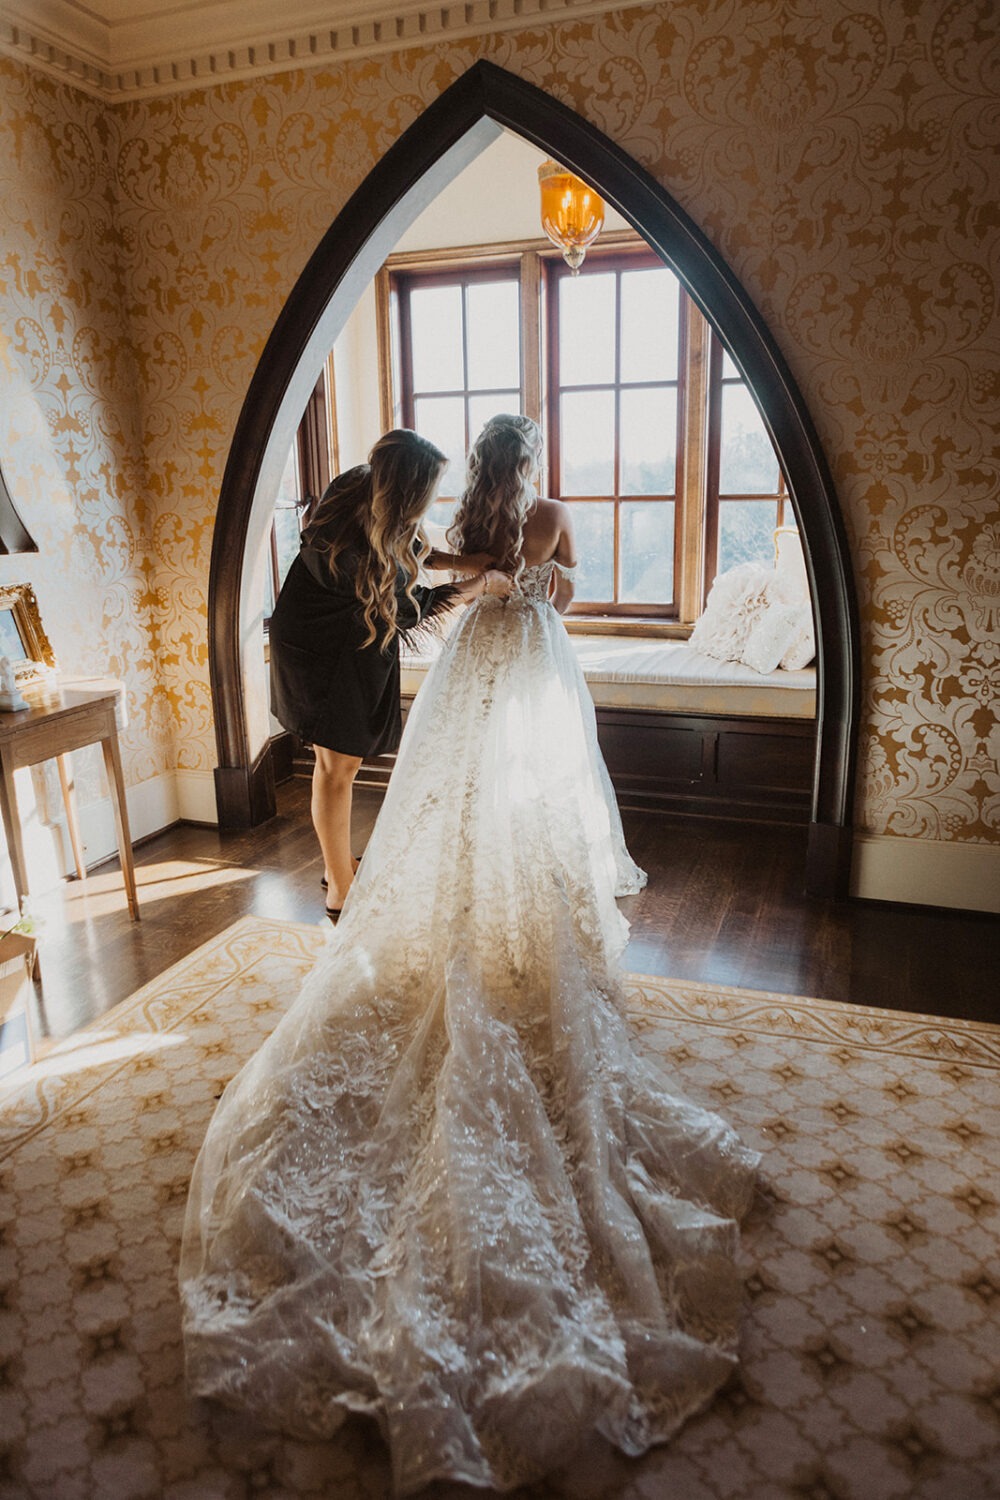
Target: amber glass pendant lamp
(572,213)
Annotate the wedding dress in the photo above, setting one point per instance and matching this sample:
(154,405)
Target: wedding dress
(450,1191)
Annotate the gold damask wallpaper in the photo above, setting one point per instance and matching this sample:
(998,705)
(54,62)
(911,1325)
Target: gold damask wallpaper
(69,422)
(842,157)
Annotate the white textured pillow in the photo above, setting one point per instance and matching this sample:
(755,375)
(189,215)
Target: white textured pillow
(790,566)
(802,650)
(737,598)
(774,632)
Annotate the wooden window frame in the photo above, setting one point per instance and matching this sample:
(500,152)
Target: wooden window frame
(696,501)
(317,459)
(316,438)
(529,255)
(618,259)
(401,284)
(714,498)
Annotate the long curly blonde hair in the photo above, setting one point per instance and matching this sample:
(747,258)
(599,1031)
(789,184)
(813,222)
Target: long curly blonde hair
(376,509)
(499,491)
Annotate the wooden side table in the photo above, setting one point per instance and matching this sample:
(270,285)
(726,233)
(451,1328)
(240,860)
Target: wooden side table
(50,728)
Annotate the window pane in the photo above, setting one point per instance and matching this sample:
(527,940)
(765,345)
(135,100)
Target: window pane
(436,329)
(729,370)
(437,521)
(286,536)
(587,329)
(746,532)
(647,552)
(481,408)
(395,355)
(594,527)
(650,303)
(587,443)
(748,465)
(494,325)
(441,419)
(649,441)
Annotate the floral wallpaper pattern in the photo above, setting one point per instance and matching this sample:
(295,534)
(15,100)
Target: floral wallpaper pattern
(69,432)
(841,156)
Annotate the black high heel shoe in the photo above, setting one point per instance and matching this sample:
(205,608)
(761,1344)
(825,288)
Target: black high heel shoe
(325,883)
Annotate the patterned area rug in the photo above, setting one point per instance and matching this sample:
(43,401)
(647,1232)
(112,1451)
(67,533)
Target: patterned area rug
(871,1335)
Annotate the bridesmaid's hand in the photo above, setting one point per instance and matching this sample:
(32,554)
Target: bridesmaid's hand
(498,585)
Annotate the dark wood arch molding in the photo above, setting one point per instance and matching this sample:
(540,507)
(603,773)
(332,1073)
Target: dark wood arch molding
(244,780)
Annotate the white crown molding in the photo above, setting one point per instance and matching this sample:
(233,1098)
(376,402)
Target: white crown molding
(130,49)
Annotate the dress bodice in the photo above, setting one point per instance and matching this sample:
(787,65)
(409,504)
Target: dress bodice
(534,583)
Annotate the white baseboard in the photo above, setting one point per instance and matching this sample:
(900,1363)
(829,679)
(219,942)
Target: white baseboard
(196,796)
(152,805)
(926,872)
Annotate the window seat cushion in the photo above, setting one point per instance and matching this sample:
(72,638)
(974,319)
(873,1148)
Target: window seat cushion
(626,672)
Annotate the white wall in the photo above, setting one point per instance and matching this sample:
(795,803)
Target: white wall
(495,199)
(355,364)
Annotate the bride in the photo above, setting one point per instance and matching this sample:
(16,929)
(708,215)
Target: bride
(450,1191)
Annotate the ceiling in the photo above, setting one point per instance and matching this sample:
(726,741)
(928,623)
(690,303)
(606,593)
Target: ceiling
(129,48)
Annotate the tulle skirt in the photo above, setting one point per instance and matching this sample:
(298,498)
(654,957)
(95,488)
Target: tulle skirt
(451,1191)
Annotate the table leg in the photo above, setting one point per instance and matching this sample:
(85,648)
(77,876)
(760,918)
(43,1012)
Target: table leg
(12,828)
(72,821)
(116,784)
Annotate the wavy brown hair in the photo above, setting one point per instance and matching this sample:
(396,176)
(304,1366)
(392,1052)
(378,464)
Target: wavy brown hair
(499,491)
(376,509)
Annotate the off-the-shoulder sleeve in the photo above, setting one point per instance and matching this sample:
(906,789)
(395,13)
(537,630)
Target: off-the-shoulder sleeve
(566,572)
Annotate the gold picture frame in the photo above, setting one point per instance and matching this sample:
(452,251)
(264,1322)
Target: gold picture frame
(22,636)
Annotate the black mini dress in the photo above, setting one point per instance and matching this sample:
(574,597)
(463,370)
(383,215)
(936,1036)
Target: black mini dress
(326,686)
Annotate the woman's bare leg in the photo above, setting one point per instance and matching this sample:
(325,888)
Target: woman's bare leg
(332,787)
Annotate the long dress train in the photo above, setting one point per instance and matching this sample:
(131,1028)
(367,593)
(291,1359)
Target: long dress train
(450,1191)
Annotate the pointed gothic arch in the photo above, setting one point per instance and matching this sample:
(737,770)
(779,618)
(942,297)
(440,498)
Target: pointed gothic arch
(434,149)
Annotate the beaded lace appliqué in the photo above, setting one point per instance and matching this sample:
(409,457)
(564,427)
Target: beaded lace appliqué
(451,1190)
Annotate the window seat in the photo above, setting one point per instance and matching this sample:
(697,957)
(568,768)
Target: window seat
(670,677)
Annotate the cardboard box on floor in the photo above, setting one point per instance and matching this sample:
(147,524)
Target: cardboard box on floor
(18,966)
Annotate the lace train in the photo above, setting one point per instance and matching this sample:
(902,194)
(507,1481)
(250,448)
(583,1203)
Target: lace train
(449,1191)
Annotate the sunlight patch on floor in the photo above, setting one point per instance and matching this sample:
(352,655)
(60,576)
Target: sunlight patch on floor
(94,1049)
(104,891)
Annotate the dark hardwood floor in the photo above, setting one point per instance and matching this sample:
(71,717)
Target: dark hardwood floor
(723,905)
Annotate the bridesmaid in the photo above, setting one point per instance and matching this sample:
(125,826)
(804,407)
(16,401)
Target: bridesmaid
(349,597)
